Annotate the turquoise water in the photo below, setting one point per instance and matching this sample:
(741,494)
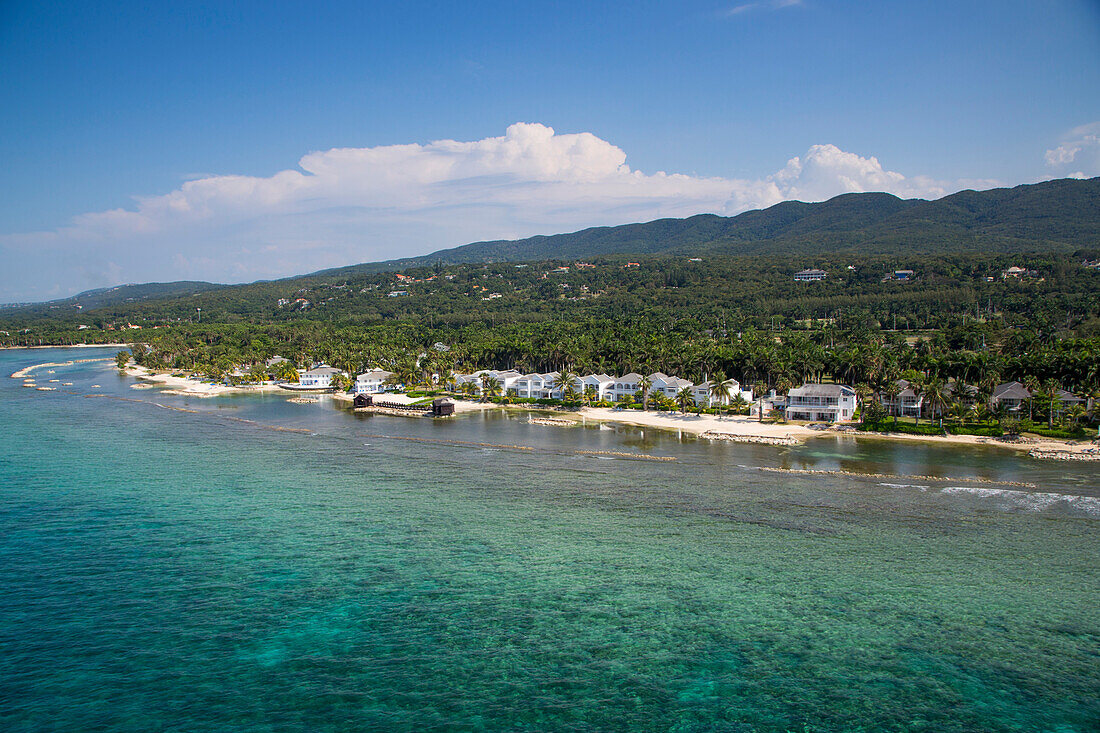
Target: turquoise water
(202,571)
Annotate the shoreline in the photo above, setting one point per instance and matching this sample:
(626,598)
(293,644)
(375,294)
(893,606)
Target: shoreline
(733,428)
(741,428)
(69,346)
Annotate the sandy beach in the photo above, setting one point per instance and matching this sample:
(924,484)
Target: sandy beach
(751,430)
(191,387)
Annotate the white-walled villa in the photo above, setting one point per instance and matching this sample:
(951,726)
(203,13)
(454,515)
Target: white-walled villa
(821,402)
(374,382)
(606,387)
(318,378)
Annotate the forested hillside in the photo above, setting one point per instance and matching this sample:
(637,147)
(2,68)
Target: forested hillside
(1062,215)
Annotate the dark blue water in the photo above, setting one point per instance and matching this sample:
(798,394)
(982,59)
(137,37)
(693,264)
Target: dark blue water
(212,570)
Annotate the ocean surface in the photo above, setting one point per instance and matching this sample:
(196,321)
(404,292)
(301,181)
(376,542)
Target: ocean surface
(249,564)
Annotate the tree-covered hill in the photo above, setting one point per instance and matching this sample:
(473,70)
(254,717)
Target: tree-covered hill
(133,293)
(1061,215)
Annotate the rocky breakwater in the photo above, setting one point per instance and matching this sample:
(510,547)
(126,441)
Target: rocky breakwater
(761,439)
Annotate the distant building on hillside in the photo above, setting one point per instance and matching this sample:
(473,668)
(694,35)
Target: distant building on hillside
(1018,273)
(903,274)
(810,275)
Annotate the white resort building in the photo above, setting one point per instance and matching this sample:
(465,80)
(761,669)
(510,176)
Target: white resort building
(506,379)
(821,403)
(704,398)
(319,377)
(624,387)
(373,382)
(536,386)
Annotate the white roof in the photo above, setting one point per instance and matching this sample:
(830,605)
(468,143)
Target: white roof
(822,390)
(375,374)
(321,371)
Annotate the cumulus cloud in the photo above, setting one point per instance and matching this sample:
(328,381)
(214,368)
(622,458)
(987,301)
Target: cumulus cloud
(1078,155)
(349,205)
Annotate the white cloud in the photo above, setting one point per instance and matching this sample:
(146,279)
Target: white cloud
(349,205)
(1078,155)
(761,5)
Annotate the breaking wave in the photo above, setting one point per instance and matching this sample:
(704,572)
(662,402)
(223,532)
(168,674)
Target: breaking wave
(1030,500)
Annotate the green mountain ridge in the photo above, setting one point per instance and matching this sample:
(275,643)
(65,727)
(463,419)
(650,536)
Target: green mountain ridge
(1059,215)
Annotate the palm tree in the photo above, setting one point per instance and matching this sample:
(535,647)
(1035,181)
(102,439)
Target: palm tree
(892,389)
(739,404)
(490,387)
(1032,384)
(567,381)
(590,394)
(720,391)
(287,372)
(935,391)
(644,384)
(758,389)
(917,385)
(863,391)
(1051,398)
(1074,413)
(685,399)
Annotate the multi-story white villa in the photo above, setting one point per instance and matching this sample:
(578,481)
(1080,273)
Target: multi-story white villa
(821,402)
(602,383)
(318,378)
(704,398)
(660,383)
(535,386)
(506,378)
(907,403)
(373,382)
(624,387)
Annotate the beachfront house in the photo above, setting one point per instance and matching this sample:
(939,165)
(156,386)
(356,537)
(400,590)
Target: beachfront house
(661,383)
(535,386)
(602,383)
(319,377)
(1012,395)
(704,398)
(907,403)
(506,378)
(624,387)
(821,403)
(374,382)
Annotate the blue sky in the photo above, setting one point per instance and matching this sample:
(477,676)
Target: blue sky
(109,105)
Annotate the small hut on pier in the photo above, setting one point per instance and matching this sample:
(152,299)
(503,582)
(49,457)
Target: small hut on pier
(362,400)
(442,407)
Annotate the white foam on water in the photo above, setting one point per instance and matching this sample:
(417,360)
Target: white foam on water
(1031,500)
(904,486)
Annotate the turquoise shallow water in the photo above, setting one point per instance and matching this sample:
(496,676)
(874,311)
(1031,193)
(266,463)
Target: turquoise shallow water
(194,571)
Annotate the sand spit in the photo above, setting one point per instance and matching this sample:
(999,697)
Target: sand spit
(26,371)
